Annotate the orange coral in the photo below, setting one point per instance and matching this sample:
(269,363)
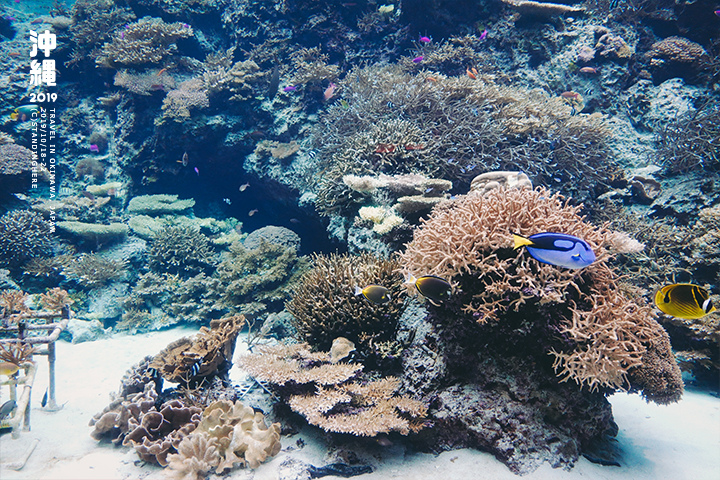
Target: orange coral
(338,401)
(605,335)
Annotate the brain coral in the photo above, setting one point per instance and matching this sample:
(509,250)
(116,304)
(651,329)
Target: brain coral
(598,336)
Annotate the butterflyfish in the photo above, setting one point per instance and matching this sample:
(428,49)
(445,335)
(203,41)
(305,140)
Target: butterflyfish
(557,249)
(376,294)
(435,289)
(684,300)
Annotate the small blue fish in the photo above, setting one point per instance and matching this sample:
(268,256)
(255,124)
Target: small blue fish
(557,249)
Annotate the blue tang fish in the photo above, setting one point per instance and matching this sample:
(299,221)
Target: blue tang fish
(557,249)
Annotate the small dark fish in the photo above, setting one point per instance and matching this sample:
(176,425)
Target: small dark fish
(7,408)
(89,195)
(684,300)
(312,154)
(376,294)
(43,402)
(557,249)
(295,221)
(435,289)
(338,470)
(274,81)
(37,20)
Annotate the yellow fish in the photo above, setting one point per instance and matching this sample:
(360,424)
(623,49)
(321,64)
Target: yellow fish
(684,300)
(7,368)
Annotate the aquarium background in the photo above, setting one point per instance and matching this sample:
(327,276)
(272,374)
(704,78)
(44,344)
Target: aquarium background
(317,210)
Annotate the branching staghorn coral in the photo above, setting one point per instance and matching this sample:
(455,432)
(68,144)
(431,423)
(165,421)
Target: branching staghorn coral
(258,276)
(602,336)
(334,399)
(180,250)
(455,128)
(147,41)
(92,270)
(325,306)
(24,235)
(690,141)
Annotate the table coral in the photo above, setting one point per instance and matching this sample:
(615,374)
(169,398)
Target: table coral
(333,395)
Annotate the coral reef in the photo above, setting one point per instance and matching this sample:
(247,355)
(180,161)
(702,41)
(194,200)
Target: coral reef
(604,333)
(158,205)
(236,434)
(24,235)
(208,352)
(541,9)
(677,57)
(324,305)
(690,141)
(334,399)
(14,159)
(94,233)
(259,273)
(180,250)
(399,123)
(190,94)
(147,41)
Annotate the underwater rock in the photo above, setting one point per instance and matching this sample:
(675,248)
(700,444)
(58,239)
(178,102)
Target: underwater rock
(645,190)
(86,330)
(105,304)
(272,234)
(158,205)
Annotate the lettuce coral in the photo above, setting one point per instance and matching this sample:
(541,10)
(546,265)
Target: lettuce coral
(228,434)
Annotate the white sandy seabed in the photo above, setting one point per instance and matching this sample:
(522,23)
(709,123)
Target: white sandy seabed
(679,441)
